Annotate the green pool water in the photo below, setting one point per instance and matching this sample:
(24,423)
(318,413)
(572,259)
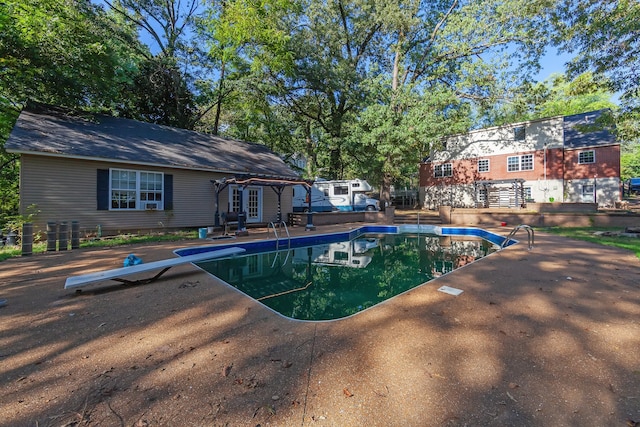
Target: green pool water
(335,280)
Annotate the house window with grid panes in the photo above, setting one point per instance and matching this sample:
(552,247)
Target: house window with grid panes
(133,190)
(483,165)
(520,163)
(587,157)
(443,170)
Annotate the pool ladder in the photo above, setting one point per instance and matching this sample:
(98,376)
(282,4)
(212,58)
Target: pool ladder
(530,235)
(275,232)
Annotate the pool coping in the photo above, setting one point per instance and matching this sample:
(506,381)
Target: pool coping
(300,241)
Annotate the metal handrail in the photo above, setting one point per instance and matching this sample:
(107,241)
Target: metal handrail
(288,235)
(530,235)
(286,229)
(269,227)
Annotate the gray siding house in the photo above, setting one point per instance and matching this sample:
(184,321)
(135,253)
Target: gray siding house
(117,174)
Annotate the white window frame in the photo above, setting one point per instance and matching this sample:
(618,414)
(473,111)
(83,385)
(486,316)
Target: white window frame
(483,162)
(517,164)
(136,194)
(581,160)
(443,170)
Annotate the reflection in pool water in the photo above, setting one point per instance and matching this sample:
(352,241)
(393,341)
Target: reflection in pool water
(338,279)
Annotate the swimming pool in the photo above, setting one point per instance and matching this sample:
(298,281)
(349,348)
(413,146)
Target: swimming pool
(331,276)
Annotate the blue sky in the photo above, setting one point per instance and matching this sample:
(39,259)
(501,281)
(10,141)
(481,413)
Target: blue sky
(551,63)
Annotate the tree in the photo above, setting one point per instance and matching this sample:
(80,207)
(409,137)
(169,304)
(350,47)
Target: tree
(59,52)
(444,60)
(162,90)
(240,36)
(604,35)
(556,96)
(9,167)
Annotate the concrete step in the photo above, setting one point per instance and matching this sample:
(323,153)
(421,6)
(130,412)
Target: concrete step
(416,218)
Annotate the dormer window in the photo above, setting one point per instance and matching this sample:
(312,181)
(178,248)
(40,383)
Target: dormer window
(518,133)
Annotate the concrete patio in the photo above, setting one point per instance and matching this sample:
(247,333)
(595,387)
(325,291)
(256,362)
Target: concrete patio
(547,337)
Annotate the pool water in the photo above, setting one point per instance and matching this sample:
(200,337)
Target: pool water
(338,279)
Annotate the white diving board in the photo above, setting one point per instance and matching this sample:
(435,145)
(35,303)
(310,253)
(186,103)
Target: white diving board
(117,273)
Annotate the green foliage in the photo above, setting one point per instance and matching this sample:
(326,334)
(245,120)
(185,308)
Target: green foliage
(15,222)
(394,134)
(605,37)
(630,161)
(556,96)
(58,52)
(158,94)
(161,87)
(9,165)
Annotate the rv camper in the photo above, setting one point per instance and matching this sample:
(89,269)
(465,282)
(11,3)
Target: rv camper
(341,195)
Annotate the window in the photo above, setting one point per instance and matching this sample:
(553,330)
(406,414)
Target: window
(340,189)
(527,194)
(483,165)
(587,157)
(526,162)
(136,190)
(520,163)
(150,186)
(482,197)
(519,133)
(440,171)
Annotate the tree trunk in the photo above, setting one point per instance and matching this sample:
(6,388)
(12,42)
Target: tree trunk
(216,121)
(385,190)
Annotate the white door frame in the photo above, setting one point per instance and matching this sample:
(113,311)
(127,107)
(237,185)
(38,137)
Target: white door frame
(251,200)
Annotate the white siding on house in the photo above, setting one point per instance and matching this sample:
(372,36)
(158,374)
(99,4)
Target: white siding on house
(500,140)
(543,191)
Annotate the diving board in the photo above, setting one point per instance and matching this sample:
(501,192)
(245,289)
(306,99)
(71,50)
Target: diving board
(164,265)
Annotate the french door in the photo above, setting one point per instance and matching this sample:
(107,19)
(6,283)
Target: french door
(251,202)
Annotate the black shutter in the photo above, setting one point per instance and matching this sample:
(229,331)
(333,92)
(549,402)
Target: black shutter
(168,192)
(102,191)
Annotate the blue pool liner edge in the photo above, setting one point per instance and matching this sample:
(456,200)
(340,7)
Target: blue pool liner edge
(301,241)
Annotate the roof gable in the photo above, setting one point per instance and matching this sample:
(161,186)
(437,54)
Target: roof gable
(130,141)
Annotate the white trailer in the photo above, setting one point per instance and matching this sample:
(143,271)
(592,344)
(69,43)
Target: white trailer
(342,195)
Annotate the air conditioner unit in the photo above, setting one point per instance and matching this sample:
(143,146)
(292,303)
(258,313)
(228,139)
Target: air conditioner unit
(151,206)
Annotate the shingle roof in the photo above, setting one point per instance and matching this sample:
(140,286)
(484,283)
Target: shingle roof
(108,138)
(580,131)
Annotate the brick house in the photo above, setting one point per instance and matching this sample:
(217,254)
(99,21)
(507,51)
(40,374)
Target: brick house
(558,159)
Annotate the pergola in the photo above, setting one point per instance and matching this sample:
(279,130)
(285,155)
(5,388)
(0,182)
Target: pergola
(517,184)
(277,184)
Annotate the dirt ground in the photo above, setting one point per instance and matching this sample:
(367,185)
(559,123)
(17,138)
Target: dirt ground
(547,337)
